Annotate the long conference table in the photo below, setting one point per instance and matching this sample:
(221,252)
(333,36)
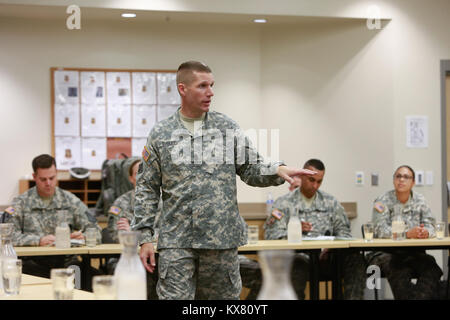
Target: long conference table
(312,247)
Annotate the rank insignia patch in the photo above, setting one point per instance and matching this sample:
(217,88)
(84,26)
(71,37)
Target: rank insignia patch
(277,214)
(115,210)
(379,207)
(146,153)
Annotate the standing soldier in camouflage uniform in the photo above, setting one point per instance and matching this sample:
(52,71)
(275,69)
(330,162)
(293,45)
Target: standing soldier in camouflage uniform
(35,212)
(400,266)
(120,215)
(321,214)
(200,228)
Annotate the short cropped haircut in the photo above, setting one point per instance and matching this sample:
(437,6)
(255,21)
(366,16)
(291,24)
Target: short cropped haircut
(315,163)
(186,69)
(43,161)
(409,168)
(130,169)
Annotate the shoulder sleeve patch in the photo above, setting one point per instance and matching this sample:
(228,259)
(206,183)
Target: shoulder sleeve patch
(10,210)
(277,214)
(271,221)
(379,207)
(115,210)
(146,154)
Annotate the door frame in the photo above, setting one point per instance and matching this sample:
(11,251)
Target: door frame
(444,72)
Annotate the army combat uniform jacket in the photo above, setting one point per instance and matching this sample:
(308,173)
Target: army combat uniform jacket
(326,215)
(415,211)
(200,208)
(33,220)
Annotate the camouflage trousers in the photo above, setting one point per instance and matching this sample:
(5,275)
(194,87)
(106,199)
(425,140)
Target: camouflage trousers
(201,274)
(401,267)
(353,272)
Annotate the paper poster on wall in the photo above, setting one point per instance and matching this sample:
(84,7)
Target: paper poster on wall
(144,118)
(66,86)
(93,122)
(67,152)
(417,131)
(67,120)
(92,87)
(137,145)
(165,111)
(93,152)
(119,121)
(144,87)
(118,88)
(167,89)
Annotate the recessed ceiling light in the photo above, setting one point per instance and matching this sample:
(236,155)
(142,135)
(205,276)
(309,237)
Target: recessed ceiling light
(129,15)
(259,20)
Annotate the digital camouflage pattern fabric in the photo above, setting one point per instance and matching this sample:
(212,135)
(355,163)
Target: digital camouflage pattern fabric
(33,219)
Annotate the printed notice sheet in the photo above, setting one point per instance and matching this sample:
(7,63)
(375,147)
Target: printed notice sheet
(93,122)
(137,145)
(144,87)
(144,118)
(92,87)
(118,88)
(67,152)
(119,121)
(67,120)
(167,89)
(417,131)
(67,90)
(93,152)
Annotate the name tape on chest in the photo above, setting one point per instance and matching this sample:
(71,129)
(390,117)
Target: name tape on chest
(115,210)
(379,207)
(277,214)
(146,154)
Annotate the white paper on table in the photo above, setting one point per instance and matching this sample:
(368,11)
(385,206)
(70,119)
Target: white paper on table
(319,238)
(67,152)
(93,122)
(119,121)
(144,118)
(93,152)
(92,87)
(66,87)
(118,88)
(417,131)
(67,120)
(165,111)
(167,88)
(137,145)
(144,87)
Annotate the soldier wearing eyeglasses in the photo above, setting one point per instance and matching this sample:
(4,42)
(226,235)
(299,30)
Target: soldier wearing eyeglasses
(401,266)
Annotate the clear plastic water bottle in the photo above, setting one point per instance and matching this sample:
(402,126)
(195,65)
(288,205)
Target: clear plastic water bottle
(6,250)
(276,269)
(269,204)
(62,231)
(294,228)
(130,275)
(398,224)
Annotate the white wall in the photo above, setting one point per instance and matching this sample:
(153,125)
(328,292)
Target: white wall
(31,47)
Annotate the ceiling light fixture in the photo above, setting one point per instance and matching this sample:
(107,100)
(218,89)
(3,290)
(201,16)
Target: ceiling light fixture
(129,15)
(259,20)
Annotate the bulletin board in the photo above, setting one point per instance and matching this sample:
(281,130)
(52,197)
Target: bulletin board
(100,114)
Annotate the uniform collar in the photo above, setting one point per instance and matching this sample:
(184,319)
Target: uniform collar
(56,202)
(317,205)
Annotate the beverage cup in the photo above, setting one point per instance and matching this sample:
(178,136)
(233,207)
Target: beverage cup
(11,276)
(253,234)
(440,230)
(368,232)
(104,287)
(63,282)
(91,237)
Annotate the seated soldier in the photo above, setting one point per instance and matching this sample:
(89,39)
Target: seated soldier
(34,215)
(321,214)
(120,215)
